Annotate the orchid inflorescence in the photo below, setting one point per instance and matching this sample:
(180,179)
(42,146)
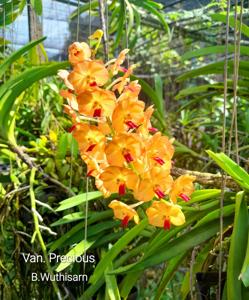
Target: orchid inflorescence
(121,149)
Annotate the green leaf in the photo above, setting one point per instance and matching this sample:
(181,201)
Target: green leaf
(154,98)
(76,251)
(170,270)
(197,267)
(244,50)
(111,284)
(159,91)
(244,275)
(177,246)
(130,24)
(62,146)
(11,90)
(76,233)
(79,199)
(17,54)
(84,8)
(147,5)
(222,18)
(202,195)
(237,249)
(37,6)
(231,168)
(116,249)
(215,68)
(215,214)
(73,217)
(121,22)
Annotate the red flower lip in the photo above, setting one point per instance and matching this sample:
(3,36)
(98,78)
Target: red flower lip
(125,221)
(184,197)
(128,157)
(159,193)
(166,224)
(91,147)
(159,160)
(131,125)
(121,189)
(153,130)
(92,84)
(97,113)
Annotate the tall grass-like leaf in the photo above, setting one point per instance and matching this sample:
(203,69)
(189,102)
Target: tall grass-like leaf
(170,270)
(197,267)
(215,68)
(215,214)
(148,6)
(237,249)
(153,96)
(137,27)
(244,275)
(17,54)
(84,8)
(37,6)
(222,18)
(111,284)
(159,90)
(76,251)
(79,199)
(177,246)
(11,90)
(121,22)
(203,195)
(231,168)
(116,249)
(244,50)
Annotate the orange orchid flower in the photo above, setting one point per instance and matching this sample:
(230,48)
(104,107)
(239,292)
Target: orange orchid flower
(156,182)
(117,179)
(94,167)
(71,99)
(91,141)
(146,126)
(182,187)
(159,148)
(96,103)
(78,52)
(88,74)
(123,212)
(163,214)
(128,114)
(124,147)
(115,67)
(122,81)
(132,89)
(64,74)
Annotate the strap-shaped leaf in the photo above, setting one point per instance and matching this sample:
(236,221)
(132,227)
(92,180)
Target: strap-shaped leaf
(17,54)
(116,249)
(11,90)
(79,199)
(170,270)
(179,245)
(244,50)
(237,249)
(231,168)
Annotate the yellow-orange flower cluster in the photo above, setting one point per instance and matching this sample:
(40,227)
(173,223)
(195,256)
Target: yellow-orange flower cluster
(121,149)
